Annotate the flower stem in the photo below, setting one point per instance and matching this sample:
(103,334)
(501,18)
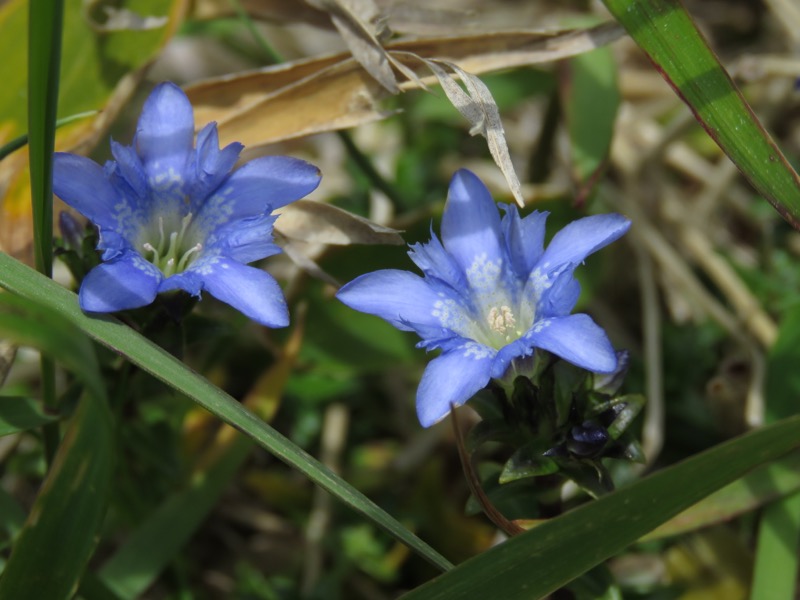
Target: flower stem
(273,56)
(363,162)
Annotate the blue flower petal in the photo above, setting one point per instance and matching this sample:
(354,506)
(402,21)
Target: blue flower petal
(165,135)
(129,168)
(576,339)
(83,185)
(524,238)
(251,291)
(122,284)
(212,165)
(454,377)
(246,240)
(188,281)
(435,261)
(506,354)
(580,238)
(471,226)
(259,187)
(560,298)
(402,298)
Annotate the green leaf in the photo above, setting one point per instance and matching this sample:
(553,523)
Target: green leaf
(759,487)
(21,414)
(775,572)
(150,548)
(774,575)
(590,98)
(536,563)
(12,517)
(528,461)
(19,279)
(669,37)
(60,533)
(44,58)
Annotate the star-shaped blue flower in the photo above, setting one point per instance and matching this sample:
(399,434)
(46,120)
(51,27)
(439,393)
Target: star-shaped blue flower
(490,294)
(174,216)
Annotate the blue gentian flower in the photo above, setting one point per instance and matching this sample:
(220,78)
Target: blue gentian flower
(174,216)
(490,294)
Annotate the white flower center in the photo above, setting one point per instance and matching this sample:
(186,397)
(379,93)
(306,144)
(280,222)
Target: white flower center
(170,253)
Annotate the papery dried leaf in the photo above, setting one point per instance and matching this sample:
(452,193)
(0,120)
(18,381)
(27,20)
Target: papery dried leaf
(8,353)
(279,11)
(363,27)
(338,97)
(332,92)
(296,251)
(361,38)
(496,50)
(320,223)
(421,20)
(479,108)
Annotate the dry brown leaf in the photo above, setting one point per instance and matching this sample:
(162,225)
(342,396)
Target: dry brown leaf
(332,92)
(479,108)
(279,11)
(356,22)
(255,110)
(320,223)
(8,352)
(339,97)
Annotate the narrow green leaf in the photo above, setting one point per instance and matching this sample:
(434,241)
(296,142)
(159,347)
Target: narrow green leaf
(150,548)
(669,37)
(775,572)
(759,487)
(12,517)
(53,548)
(21,414)
(20,141)
(536,563)
(19,279)
(44,58)
(590,98)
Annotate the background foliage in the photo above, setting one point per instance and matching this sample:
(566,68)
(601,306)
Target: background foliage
(120,477)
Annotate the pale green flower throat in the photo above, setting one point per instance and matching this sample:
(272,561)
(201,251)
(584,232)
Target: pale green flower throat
(173,253)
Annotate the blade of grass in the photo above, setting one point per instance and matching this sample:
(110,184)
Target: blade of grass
(20,141)
(672,42)
(540,561)
(26,283)
(775,572)
(60,533)
(44,59)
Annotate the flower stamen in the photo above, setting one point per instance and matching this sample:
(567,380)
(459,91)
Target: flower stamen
(172,256)
(501,319)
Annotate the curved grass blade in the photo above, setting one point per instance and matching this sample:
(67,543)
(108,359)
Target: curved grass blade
(20,141)
(536,563)
(60,533)
(666,33)
(150,548)
(21,414)
(23,281)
